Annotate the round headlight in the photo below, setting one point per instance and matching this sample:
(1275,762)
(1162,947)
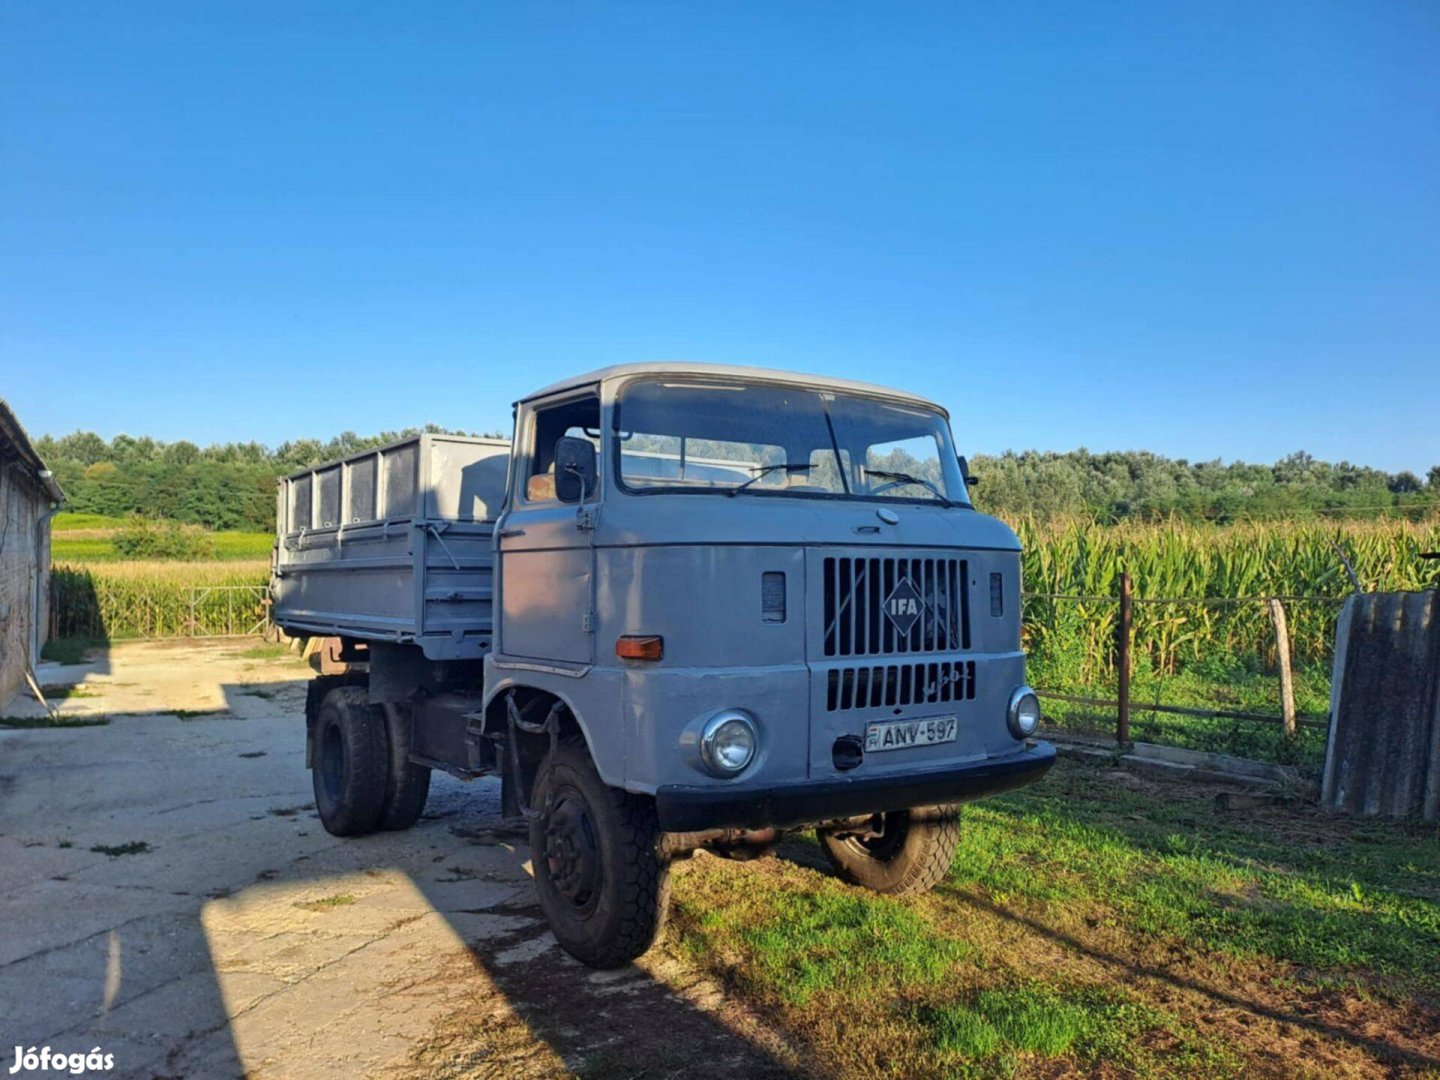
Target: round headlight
(727,745)
(1024,715)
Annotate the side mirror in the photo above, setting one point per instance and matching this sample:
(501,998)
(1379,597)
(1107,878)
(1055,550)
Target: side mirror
(970,481)
(574,469)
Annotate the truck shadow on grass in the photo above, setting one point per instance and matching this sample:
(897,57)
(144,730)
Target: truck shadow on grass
(1237,930)
(1382,1050)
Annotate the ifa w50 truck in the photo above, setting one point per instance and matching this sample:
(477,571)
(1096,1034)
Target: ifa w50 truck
(687,606)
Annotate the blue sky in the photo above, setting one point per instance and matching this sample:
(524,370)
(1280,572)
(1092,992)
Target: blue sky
(1205,229)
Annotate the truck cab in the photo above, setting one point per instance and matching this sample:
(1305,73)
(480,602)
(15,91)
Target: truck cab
(724,603)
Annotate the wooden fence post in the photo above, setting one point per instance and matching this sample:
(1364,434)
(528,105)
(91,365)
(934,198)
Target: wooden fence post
(1282,656)
(1122,650)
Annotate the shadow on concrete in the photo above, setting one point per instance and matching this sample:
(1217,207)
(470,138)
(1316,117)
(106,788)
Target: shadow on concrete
(240,939)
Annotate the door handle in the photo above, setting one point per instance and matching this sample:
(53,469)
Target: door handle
(506,534)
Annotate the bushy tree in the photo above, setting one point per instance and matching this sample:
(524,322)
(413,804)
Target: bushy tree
(232,486)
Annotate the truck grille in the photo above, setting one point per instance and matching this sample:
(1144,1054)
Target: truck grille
(899,684)
(877,606)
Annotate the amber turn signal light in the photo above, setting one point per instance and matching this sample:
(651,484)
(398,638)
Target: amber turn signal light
(640,647)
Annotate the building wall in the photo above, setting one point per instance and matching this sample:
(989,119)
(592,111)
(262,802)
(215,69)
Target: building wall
(21,505)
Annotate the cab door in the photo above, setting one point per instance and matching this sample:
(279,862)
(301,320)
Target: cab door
(546,552)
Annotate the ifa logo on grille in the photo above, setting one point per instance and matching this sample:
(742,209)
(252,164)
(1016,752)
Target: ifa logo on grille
(902,606)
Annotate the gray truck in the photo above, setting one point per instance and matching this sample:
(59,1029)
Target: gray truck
(687,606)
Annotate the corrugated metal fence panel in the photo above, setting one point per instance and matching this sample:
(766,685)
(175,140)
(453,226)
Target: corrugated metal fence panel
(1383,755)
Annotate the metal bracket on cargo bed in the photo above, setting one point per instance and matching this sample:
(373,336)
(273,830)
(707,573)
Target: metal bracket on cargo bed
(435,529)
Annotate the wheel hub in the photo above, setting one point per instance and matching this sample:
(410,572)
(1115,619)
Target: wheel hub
(885,836)
(571,854)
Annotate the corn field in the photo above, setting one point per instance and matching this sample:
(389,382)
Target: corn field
(113,601)
(1191,584)
(1200,566)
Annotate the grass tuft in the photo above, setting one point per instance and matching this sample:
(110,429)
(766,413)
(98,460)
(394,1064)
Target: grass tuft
(134,847)
(53,721)
(326,903)
(68,651)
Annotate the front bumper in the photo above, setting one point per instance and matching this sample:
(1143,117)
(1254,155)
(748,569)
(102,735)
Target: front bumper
(691,808)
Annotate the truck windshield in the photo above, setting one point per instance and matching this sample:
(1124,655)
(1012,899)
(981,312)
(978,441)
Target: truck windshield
(763,439)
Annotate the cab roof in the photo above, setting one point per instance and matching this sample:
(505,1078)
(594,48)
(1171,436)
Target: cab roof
(732,371)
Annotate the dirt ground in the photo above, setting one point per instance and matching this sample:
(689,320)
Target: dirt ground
(167,894)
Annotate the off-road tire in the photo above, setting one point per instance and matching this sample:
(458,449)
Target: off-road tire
(912,856)
(407,785)
(351,769)
(620,916)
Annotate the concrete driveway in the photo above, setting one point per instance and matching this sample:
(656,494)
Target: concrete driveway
(168,895)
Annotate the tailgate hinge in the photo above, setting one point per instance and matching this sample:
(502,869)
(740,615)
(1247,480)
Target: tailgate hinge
(587,622)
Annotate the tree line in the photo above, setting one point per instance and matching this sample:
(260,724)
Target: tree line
(224,486)
(232,485)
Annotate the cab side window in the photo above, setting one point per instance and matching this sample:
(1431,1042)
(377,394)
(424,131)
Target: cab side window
(578,418)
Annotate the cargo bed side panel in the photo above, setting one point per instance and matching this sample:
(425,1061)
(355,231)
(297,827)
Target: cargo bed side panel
(395,544)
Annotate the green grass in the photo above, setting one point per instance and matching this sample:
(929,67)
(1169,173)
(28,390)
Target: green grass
(1189,875)
(68,522)
(68,691)
(1032,1017)
(243,545)
(53,721)
(227,547)
(808,943)
(134,847)
(1094,922)
(82,549)
(1230,686)
(68,651)
(267,652)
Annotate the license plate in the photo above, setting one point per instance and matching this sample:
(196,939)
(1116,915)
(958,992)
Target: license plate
(899,734)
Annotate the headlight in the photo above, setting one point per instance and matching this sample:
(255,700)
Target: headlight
(727,743)
(1024,716)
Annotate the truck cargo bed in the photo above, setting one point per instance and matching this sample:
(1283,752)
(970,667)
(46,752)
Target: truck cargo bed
(393,544)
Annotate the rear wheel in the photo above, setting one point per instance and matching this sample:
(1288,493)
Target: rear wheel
(904,851)
(407,785)
(600,880)
(350,766)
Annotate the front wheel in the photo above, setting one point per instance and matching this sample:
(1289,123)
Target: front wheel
(904,851)
(601,882)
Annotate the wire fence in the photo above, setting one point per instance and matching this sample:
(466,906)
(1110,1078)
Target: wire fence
(1240,675)
(81,607)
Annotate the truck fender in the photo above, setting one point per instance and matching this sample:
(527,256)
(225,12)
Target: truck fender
(496,721)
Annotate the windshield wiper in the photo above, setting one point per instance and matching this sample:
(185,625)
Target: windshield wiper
(906,478)
(763,471)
